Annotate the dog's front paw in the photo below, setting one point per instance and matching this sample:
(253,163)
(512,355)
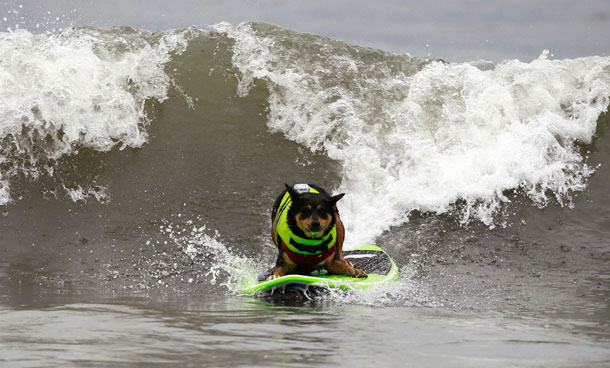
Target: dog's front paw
(344,267)
(358,273)
(276,272)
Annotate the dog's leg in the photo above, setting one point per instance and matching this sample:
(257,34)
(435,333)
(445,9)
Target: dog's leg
(339,266)
(340,234)
(342,267)
(283,266)
(278,271)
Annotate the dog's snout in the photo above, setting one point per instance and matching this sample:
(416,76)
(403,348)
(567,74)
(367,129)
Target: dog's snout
(315,224)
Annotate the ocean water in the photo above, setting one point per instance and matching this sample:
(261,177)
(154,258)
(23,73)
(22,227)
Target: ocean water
(138,170)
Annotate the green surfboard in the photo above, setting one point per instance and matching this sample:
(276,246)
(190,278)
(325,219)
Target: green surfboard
(378,265)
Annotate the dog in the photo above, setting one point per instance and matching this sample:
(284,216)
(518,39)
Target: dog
(308,233)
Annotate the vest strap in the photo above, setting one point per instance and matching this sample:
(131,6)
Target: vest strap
(312,249)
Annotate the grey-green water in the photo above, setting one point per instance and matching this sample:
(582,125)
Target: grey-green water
(138,171)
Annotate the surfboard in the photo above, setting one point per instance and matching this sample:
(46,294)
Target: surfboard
(378,265)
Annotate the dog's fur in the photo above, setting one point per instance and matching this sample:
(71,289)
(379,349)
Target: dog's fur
(312,215)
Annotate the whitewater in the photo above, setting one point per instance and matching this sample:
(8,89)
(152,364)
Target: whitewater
(409,135)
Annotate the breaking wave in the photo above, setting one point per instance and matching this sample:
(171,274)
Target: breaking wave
(79,88)
(427,135)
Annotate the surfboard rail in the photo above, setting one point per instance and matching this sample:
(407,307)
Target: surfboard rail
(378,265)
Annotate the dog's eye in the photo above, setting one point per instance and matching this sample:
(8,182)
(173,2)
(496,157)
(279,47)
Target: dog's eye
(323,213)
(306,212)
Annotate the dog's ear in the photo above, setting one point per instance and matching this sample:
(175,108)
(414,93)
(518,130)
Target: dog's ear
(335,199)
(293,194)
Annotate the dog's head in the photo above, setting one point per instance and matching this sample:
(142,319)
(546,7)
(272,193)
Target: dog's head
(312,214)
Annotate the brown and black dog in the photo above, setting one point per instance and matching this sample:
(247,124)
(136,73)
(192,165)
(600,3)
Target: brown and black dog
(308,233)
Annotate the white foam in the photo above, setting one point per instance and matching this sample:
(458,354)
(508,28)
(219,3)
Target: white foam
(80,87)
(5,196)
(222,266)
(426,140)
(100,193)
(407,291)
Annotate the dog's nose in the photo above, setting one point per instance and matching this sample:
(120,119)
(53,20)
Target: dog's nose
(315,224)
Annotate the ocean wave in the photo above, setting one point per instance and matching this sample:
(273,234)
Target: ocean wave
(424,135)
(77,88)
(408,134)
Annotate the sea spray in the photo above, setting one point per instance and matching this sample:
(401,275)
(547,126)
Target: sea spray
(205,248)
(409,291)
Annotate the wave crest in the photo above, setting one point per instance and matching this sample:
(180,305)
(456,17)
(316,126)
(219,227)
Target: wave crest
(413,135)
(78,88)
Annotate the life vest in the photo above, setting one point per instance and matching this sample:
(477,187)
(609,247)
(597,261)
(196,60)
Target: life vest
(302,251)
